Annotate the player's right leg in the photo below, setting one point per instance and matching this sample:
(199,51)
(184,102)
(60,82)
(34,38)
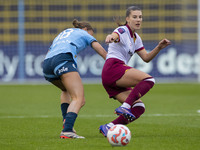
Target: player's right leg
(63,73)
(70,135)
(74,86)
(65,100)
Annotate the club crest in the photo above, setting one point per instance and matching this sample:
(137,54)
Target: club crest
(121,30)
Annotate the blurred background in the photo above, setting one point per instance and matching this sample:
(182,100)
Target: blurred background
(27,28)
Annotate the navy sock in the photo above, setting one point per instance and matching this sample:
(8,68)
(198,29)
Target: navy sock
(70,119)
(64,107)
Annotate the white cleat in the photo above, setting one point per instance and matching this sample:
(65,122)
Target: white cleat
(70,135)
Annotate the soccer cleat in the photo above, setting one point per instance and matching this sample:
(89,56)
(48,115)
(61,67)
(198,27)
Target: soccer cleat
(125,112)
(104,129)
(70,135)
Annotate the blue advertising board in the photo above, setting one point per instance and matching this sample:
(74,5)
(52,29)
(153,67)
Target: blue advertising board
(177,62)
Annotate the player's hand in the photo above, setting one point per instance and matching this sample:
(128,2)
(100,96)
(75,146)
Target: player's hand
(109,39)
(164,43)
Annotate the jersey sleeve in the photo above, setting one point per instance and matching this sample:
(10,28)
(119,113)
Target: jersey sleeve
(120,31)
(89,39)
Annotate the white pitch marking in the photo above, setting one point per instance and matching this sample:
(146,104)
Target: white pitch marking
(99,116)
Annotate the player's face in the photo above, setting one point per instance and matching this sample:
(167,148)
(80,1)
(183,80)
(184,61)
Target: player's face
(90,32)
(134,20)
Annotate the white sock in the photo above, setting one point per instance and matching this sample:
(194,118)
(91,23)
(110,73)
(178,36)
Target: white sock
(126,105)
(110,124)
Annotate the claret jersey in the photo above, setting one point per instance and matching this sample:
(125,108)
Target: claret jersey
(126,46)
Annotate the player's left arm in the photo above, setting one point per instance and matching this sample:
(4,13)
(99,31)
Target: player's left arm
(147,57)
(99,49)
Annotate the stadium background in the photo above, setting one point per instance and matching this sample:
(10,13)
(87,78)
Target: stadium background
(27,28)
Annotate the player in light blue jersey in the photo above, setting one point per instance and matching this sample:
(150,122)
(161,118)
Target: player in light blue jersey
(60,68)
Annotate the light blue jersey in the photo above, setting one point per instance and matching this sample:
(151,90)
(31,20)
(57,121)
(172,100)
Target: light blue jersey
(71,40)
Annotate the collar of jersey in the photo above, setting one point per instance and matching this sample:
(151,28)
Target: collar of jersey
(131,33)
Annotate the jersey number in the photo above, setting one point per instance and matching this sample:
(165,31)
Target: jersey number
(64,34)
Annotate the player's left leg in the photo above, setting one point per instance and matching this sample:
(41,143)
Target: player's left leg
(141,82)
(137,110)
(64,97)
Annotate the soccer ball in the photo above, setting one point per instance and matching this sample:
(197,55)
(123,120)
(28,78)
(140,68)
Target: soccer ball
(119,135)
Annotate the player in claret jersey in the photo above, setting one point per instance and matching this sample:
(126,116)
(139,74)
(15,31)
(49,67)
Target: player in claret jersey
(122,82)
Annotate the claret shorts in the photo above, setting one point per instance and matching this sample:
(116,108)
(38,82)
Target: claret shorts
(112,71)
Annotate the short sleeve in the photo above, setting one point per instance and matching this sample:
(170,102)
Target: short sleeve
(120,31)
(89,39)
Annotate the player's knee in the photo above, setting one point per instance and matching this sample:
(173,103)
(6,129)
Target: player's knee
(80,99)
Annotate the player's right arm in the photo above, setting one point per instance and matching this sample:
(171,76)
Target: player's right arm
(99,49)
(114,37)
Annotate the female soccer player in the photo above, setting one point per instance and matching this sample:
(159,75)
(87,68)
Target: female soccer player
(118,78)
(60,68)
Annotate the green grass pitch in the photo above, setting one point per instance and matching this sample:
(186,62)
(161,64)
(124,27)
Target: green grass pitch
(30,119)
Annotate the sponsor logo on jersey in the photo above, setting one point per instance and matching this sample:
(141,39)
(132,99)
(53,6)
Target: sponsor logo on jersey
(73,66)
(62,70)
(121,30)
(130,53)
